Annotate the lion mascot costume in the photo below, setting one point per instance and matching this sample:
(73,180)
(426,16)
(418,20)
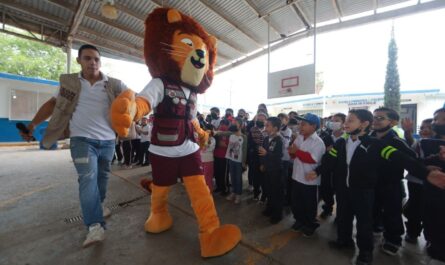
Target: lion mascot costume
(180,56)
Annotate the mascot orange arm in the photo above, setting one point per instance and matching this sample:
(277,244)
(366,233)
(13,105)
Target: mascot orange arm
(125,109)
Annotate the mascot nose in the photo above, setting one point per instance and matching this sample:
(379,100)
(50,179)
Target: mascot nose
(200,53)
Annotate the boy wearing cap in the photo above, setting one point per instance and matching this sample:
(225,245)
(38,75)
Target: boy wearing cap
(307,151)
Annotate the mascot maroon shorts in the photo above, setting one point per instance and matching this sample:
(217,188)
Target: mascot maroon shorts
(167,170)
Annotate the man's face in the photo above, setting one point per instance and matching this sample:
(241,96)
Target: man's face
(425,130)
(270,130)
(90,62)
(261,118)
(306,128)
(241,114)
(144,121)
(439,118)
(381,120)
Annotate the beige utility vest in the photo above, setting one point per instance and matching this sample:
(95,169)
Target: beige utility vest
(66,102)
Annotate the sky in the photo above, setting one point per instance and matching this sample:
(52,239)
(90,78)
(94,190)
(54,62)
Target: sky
(351,60)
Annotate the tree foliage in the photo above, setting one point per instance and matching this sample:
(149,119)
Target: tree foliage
(392,81)
(31,58)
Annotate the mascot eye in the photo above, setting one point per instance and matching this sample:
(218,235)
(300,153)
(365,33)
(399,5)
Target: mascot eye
(188,42)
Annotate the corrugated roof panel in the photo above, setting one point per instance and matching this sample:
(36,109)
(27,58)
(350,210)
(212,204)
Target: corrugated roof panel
(241,40)
(228,50)
(325,10)
(265,6)
(352,7)
(260,29)
(143,7)
(47,8)
(286,20)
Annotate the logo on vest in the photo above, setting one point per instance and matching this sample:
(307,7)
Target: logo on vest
(68,94)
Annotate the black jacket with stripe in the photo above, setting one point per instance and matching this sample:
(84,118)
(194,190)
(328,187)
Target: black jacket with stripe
(363,170)
(391,173)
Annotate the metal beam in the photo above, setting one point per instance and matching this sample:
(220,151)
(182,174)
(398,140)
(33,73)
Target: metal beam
(301,15)
(251,5)
(337,9)
(103,44)
(208,5)
(423,7)
(78,17)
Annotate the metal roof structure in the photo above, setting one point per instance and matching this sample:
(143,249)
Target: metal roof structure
(241,26)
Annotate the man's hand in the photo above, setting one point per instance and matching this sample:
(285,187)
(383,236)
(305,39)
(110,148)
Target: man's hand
(292,149)
(311,176)
(262,151)
(123,110)
(407,124)
(26,132)
(437,178)
(442,153)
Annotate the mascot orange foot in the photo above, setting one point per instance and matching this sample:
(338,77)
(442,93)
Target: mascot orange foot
(215,240)
(180,56)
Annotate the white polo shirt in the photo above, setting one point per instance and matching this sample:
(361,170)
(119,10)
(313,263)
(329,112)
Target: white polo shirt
(313,145)
(91,117)
(154,93)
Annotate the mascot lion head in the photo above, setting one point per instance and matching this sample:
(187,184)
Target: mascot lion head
(177,48)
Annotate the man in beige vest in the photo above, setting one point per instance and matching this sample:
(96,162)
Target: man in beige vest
(80,111)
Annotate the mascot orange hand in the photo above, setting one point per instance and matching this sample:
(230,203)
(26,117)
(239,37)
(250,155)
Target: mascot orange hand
(203,136)
(125,109)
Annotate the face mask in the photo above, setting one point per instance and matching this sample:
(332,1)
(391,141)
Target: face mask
(335,126)
(233,128)
(438,129)
(214,115)
(383,129)
(259,124)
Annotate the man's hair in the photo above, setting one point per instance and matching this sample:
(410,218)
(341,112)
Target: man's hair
(86,46)
(229,110)
(215,109)
(392,114)
(224,122)
(363,115)
(341,116)
(283,115)
(430,120)
(275,121)
(292,113)
(439,110)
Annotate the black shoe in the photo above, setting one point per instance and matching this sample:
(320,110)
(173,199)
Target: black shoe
(325,214)
(307,232)
(275,220)
(297,226)
(267,213)
(364,258)
(217,190)
(410,239)
(224,193)
(390,248)
(339,245)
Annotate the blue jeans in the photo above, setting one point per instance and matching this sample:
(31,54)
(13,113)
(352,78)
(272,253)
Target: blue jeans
(92,159)
(236,171)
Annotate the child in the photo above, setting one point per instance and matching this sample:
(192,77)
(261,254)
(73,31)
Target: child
(236,155)
(307,150)
(207,161)
(220,163)
(271,153)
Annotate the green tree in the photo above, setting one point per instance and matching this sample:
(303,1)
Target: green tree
(392,81)
(25,57)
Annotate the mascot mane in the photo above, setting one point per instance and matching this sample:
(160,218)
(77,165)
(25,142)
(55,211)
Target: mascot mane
(159,32)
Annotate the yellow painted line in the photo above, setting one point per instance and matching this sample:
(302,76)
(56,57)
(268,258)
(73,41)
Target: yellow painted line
(26,194)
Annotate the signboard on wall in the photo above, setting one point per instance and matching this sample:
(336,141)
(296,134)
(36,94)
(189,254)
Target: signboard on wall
(292,82)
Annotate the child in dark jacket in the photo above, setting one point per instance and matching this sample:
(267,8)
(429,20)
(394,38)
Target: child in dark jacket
(270,154)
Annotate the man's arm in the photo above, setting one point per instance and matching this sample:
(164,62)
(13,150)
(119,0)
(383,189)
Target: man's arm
(45,111)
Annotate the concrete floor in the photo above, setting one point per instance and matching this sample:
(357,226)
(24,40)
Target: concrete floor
(39,223)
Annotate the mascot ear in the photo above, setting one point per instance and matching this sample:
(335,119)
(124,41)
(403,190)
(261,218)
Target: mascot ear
(212,40)
(173,16)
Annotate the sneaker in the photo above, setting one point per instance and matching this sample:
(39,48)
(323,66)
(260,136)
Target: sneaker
(237,199)
(275,220)
(250,188)
(410,239)
(390,248)
(364,258)
(307,232)
(96,233)
(324,215)
(339,245)
(297,226)
(267,212)
(231,197)
(106,212)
